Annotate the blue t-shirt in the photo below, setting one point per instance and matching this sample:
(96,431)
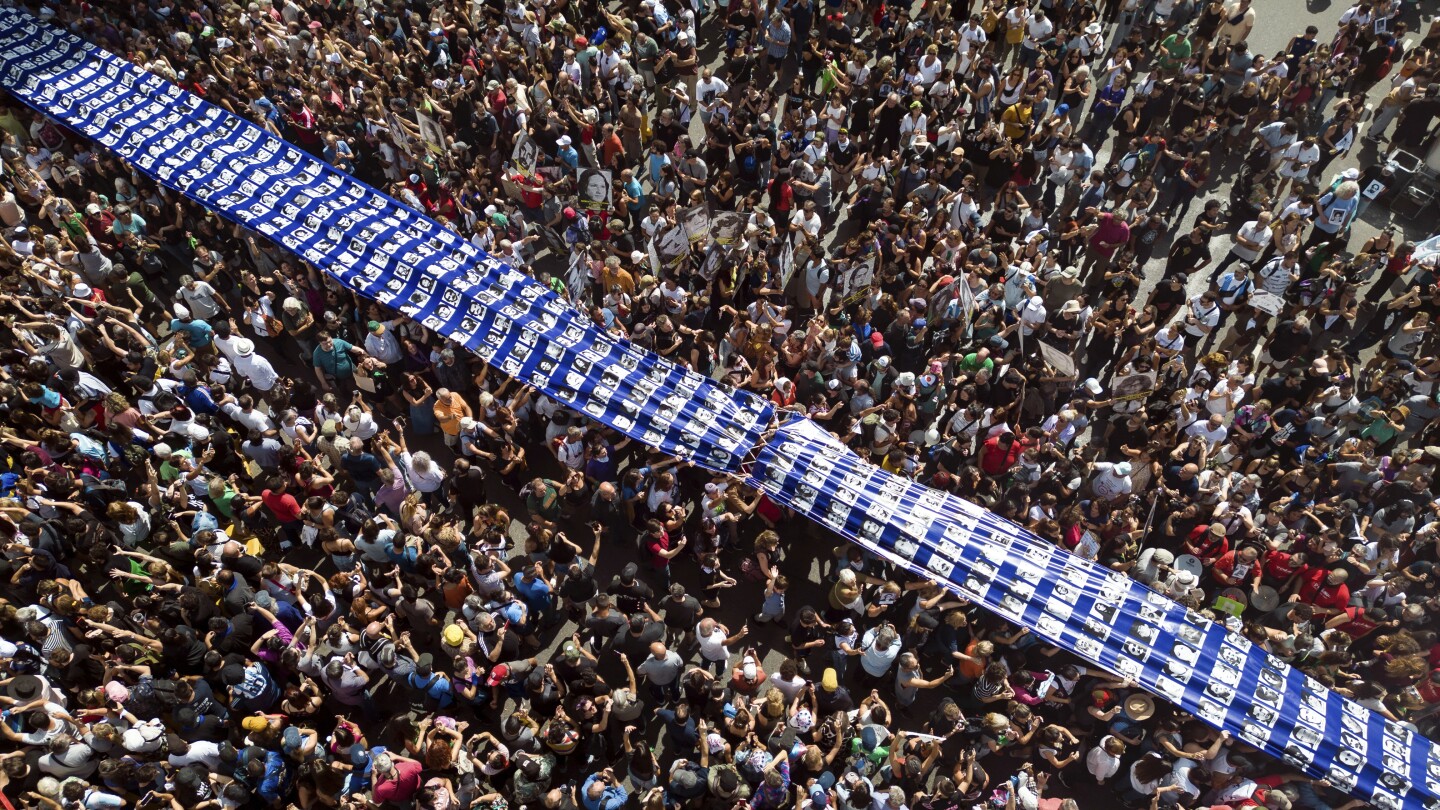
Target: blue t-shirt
(197,333)
(535,593)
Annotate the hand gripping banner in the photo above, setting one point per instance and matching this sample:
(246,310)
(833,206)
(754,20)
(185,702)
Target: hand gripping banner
(395,255)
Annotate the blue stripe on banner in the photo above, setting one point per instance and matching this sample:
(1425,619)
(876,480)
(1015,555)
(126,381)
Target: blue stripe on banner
(395,255)
(1103,616)
(377,246)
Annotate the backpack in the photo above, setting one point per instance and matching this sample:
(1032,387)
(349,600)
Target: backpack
(353,516)
(100,493)
(437,694)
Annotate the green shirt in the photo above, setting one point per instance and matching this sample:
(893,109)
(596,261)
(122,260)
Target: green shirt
(336,362)
(971,364)
(1180,49)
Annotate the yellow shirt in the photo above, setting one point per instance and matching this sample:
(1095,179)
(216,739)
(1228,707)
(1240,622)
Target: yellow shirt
(448,416)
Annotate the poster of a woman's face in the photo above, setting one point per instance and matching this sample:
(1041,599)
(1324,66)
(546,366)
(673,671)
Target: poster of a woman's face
(594,185)
(726,227)
(696,221)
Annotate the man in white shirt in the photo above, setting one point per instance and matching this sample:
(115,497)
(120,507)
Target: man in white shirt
(254,368)
(571,451)
(1295,163)
(817,275)
(972,35)
(1390,108)
(1032,315)
(1212,430)
(707,90)
(806,220)
(1225,395)
(1277,136)
(1062,171)
(714,639)
(1250,242)
(243,411)
(1037,29)
(1202,319)
(381,343)
(200,298)
(1111,481)
(1279,273)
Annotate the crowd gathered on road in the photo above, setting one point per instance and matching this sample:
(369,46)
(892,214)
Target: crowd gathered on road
(1086,263)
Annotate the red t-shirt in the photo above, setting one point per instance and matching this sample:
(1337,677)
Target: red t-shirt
(995,459)
(1358,626)
(282,505)
(1112,231)
(1205,545)
(1428,690)
(400,785)
(1228,564)
(654,545)
(1315,590)
(1279,565)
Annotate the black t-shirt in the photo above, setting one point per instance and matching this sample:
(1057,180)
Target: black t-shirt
(860,113)
(1123,434)
(579,588)
(245,565)
(186,657)
(800,634)
(837,701)
(602,629)
(682,614)
(1187,255)
(636,648)
(239,637)
(629,598)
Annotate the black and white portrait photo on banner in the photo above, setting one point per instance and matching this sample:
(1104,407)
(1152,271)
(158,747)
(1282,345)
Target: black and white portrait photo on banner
(785,262)
(726,227)
(671,247)
(1132,386)
(858,276)
(595,187)
(525,155)
(696,221)
(711,264)
(431,133)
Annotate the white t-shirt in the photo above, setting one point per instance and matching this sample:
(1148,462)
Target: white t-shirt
(1213,436)
(1170,345)
(712,647)
(708,91)
(201,301)
(1255,232)
(1108,484)
(254,420)
(1298,158)
(1037,30)
(1203,316)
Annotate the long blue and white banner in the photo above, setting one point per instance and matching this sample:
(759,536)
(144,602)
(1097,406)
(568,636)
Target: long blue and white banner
(395,255)
(377,246)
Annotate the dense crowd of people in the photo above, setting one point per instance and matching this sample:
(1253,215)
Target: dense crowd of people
(268,544)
